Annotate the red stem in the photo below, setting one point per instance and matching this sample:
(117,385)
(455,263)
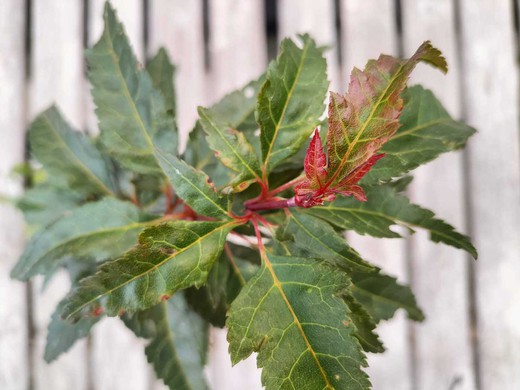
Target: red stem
(287,185)
(270,204)
(169,197)
(258,237)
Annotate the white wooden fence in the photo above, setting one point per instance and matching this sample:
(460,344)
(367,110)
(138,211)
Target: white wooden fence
(471,338)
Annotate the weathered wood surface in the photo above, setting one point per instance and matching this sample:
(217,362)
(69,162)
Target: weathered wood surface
(56,77)
(489,55)
(178,26)
(14,357)
(443,359)
(365,35)
(472,308)
(317,18)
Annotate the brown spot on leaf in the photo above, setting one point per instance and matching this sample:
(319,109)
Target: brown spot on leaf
(165,297)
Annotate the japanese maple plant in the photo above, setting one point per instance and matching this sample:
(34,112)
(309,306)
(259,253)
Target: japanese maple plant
(246,228)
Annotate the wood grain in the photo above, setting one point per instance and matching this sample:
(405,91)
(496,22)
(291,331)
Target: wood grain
(365,35)
(490,72)
(177,25)
(14,343)
(442,343)
(57,77)
(317,19)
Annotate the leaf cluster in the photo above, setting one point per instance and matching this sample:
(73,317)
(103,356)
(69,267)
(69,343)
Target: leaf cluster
(245,229)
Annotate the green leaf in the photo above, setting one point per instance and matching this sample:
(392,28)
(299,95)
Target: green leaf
(193,186)
(132,114)
(291,100)
(226,279)
(162,72)
(316,237)
(361,121)
(427,130)
(44,203)
(385,208)
(238,108)
(365,326)
(381,296)
(401,184)
(69,155)
(291,313)
(96,231)
(231,147)
(169,257)
(147,189)
(62,334)
(179,342)
(200,156)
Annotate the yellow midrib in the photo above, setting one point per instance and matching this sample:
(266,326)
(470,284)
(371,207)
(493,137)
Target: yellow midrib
(365,124)
(296,320)
(286,105)
(155,266)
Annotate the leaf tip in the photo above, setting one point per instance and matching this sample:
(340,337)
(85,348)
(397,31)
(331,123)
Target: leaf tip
(431,55)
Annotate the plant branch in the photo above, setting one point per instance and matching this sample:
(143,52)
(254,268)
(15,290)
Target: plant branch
(269,204)
(287,185)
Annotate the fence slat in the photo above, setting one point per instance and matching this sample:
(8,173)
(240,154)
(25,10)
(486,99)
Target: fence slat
(491,93)
(443,356)
(14,368)
(365,35)
(117,356)
(177,25)
(318,19)
(129,11)
(57,71)
(237,45)
(238,53)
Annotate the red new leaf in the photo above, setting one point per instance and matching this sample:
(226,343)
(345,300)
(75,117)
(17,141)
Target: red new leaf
(360,122)
(314,190)
(315,163)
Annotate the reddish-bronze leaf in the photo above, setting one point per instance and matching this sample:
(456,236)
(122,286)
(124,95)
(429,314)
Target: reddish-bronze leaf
(360,122)
(315,163)
(367,116)
(312,189)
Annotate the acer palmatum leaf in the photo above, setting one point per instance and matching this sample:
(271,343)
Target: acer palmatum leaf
(314,189)
(360,122)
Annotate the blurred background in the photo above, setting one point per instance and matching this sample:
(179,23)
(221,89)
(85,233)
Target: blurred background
(471,337)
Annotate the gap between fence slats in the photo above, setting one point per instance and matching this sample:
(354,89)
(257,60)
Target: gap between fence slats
(14,362)
(365,35)
(442,342)
(492,106)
